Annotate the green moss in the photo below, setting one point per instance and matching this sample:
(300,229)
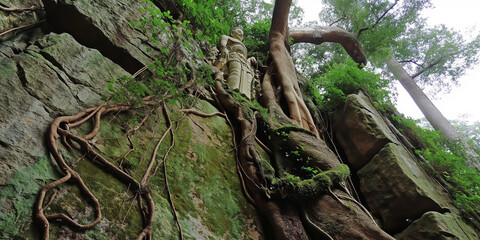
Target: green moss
(307,189)
(267,170)
(204,181)
(323,181)
(8,69)
(250,105)
(111,194)
(21,191)
(303,190)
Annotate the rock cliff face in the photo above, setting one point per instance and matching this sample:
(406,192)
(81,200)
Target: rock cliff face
(64,65)
(396,188)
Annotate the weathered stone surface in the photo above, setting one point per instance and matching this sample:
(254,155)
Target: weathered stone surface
(105,25)
(397,190)
(324,213)
(316,150)
(33,90)
(9,20)
(85,67)
(437,226)
(23,122)
(58,76)
(42,82)
(360,130)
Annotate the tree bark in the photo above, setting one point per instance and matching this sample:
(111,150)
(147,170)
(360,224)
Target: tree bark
(429,110)
(285,69)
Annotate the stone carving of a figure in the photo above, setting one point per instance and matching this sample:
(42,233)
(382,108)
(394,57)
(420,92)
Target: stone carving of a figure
(240,70)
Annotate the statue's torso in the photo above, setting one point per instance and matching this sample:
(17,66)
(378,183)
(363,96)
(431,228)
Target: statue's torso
(236,48)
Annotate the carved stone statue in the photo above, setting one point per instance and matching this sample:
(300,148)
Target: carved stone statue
(233,61)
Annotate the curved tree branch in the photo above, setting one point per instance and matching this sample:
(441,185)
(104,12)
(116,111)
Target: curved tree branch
(338,20)
(318,35)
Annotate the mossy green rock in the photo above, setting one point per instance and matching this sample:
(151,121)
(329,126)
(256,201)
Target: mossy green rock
(437,226)
(38,84)
(397,190)
(361,130)
(24,120)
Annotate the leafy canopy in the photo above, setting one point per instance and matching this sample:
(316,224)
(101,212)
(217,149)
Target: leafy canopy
(395,28)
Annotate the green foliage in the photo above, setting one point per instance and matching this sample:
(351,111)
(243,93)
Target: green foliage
(446,48)
(396,28)
(257,39)
(347,78)
(171,71)
(450,161)
(213,17)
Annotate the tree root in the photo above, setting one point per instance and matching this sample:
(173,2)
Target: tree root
(59,129)
(350,198)
(180,233)
(31,8)
(201,114)
(21,27)
(154,154)
(317,231)
(241,172)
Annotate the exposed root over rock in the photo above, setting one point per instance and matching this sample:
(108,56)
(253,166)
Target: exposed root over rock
(60,129)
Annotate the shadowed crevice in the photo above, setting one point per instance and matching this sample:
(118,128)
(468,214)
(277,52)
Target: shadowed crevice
(66,18)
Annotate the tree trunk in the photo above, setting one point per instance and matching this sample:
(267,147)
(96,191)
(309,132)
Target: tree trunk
(284,67)
(433,115)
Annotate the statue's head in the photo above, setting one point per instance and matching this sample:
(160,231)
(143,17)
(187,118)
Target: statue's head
(237,33)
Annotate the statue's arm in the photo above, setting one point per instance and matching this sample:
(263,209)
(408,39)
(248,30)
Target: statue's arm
(223,41)
(222,45)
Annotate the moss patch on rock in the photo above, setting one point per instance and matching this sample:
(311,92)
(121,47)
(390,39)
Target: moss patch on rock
(18,197)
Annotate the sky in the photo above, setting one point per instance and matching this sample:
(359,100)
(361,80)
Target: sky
(461,15)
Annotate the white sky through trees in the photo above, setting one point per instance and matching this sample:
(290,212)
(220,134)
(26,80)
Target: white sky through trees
(461,15)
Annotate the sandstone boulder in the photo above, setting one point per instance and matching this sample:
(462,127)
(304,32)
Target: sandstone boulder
(397,190)
(437,226)
(361,130)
